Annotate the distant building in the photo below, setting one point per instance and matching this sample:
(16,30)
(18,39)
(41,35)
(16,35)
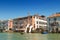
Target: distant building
(54,22)
(6,24)
(10,24)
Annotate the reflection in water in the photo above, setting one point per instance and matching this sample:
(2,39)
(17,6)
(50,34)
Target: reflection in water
(29,36)
(36,36)
(9,36)
(54,36)
(43,37)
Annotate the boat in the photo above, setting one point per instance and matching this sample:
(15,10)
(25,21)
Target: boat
(44,32)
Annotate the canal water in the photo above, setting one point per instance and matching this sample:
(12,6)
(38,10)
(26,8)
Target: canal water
(29,36)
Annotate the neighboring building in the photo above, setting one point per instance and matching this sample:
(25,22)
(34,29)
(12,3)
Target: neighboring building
(10,24)
(6,24)
(54,22)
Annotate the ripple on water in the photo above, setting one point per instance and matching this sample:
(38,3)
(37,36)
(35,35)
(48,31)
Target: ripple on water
(29,36)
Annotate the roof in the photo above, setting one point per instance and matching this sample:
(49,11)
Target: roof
(40,17)
(21,18)
(55,15)
(25,17)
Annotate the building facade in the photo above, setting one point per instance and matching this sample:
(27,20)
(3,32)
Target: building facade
(25,24)
(29,23)
(6,24)
(54,22)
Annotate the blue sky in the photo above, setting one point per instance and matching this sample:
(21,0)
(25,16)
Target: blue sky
(18,8)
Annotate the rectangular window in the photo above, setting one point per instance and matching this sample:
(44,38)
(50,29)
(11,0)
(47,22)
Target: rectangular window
(37,26)
(37,22)
(40,27)
(16,23)
(49,19)
(21,26)
(55,19)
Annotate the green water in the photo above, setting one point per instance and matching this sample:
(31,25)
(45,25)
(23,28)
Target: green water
(30,36)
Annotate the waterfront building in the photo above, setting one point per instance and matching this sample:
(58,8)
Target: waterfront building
(25,24)
(5,25)
(29,23)
(10,24)
(54,22)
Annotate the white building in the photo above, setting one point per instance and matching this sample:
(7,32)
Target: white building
(31,22)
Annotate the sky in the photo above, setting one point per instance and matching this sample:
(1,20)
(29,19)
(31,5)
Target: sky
(10,9)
